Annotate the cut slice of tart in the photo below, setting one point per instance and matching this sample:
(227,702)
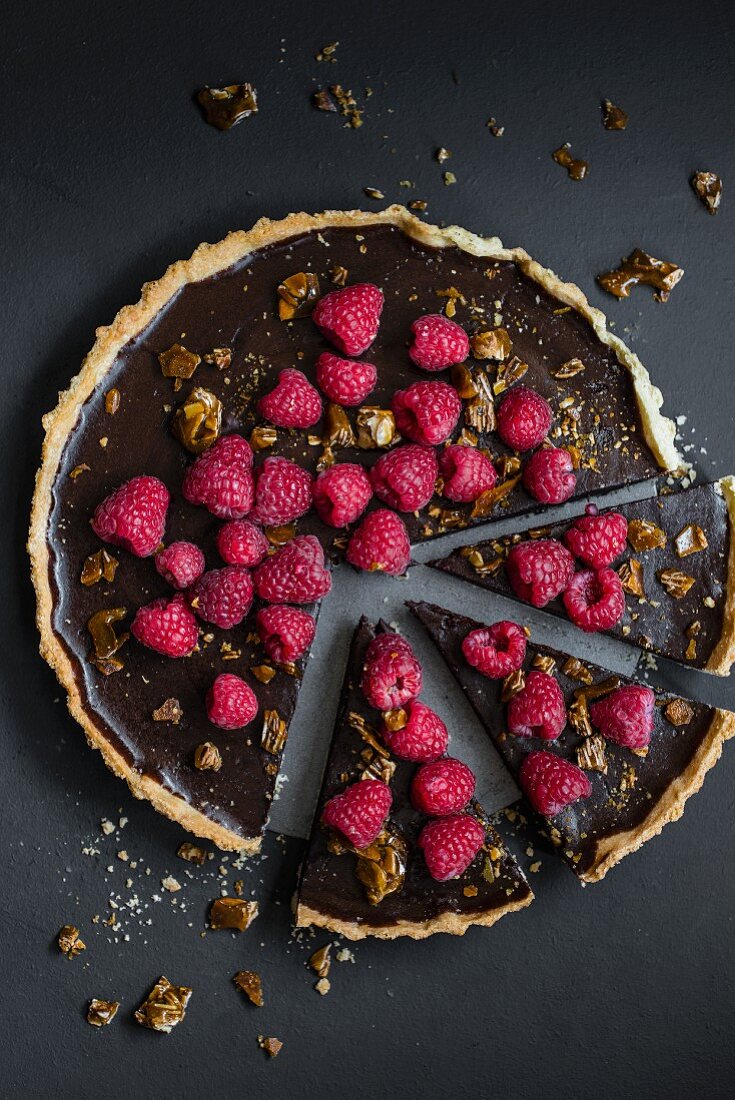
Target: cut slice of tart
(384,888)
(623,796)
(308,338)
(676,567)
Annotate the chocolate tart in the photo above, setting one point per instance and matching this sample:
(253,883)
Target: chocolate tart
(223,305)
(636,795)
(330,893)
(678,572)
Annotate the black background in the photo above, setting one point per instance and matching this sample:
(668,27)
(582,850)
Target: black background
(109,173)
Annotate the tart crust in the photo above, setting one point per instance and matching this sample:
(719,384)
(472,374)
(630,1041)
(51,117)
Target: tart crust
(206,261)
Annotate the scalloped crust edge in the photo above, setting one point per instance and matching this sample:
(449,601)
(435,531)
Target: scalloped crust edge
(670,806)
(208,260)
(721,658)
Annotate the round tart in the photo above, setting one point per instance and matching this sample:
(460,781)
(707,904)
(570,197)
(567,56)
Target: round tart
(191,363)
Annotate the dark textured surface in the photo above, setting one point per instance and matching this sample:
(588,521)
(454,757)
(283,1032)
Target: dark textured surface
(109,173)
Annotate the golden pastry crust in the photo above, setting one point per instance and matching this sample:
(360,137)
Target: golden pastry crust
(453,924)
(206,261)
(670,806)
(723,655)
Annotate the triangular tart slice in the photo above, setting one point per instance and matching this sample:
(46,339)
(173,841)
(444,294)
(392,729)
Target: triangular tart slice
(632,794)
(677,569)
(386,890)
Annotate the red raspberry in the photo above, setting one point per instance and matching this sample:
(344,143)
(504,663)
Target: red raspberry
(359,812)
(549,475)
(231,703)
(450,844)
(286,632)
(550,782)
(223,596)
(405,477)
(342,493)
(344,381)
(295,574)
(282,492)
(423,738)
(167,626)
(391,674)
(466,473)
(180,564)
(380,544)
(134,516)
(438,342)
(595,600)
(539,570)
(626,716)
(597,540)
(495,650)
(349,318)
(294,403)
(442,787)
(221,478)
(240,542)
(427,412)
(538,709)
(524,419)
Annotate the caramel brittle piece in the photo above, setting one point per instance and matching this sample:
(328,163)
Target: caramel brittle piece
(613,118)
(112,401)
(270,1045)
(462,380)
(512,684)
(263,673)
(381,867)
(250,984)
(262,437)
(198,420)
(169,711)
(488,500)
(576,169)
(591,754)
(678,712)
(225,107)
(192,853)
(207,757)
(376,428)
(69,941)
(320,961)
(637,268)
(164,1007)
(236,913)
(275,732)
(676,583)
(297,295)
(708,187)
(178,362)
(479,412)
(575,670)
(99,566)
(631,576)
(106,642)
(101,1013)
(569,369)
(491,344)
(645,535)
(221,358)
(690,540)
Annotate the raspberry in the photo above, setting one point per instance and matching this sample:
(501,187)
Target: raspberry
(231,703)
(597,540)
(442,787)
(342,493)
(549,475)
(426,412)
(405,477)
(221,478)
(539,571)
(466,473)
(438,342)
(134,516)
(286,632)
(550,782)
(344,381)
(295,574)
(294,403)
(282,492)
(349,318)
(538,709)
(423,738)
(524,419)
(595,600)
(180,564)
(495,650)
(380,543)
(240,542)
(450,844)
(391,674)
(167,626)
(626,716)
(359,812)
(223,596)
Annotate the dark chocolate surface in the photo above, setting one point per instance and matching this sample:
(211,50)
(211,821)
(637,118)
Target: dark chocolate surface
(329,884)
(610,808)
(659,622)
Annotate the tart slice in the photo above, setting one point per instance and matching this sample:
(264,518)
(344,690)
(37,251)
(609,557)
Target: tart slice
(604,761)
(376,865)
(674,557)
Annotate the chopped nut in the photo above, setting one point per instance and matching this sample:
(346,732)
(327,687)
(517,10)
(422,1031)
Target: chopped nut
(327,52)
(207,757)
(297,295)
(495,130)
(678,712)
(221,358)
(170,884)
(470,891)
(339,275)
(577,169)
(69,942)
(232,913)
(637,268)
(275,732)
(112,404)
(690,540)
(613,118)
(250,984)
(442,154)
(178,362)
(192,853)
(708,187)
(376,428)
(631,576)
(676,583)
(644,535)
(197,420)
(98,566)
(373,193)
(164,1007)
(320,961)
(169,711)
(101,1013)
(591,754)
(225,107)
(270,1045)
(569,369)
(262,437)
(491,344)
(323,986)
(347,105)
(80,469)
